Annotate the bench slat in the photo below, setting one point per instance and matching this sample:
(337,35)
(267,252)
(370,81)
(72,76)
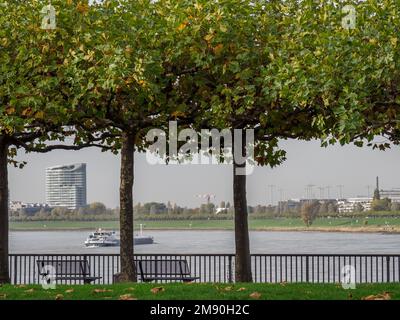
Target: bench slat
(151,270)
(68,270)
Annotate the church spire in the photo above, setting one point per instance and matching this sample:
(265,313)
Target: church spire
(377,195)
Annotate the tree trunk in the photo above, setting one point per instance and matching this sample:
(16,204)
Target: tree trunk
(242,243)
(128,272)
(4,275)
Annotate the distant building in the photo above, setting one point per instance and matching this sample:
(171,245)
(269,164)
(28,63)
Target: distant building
(27,208)
(393,195)
(17,205)
(354,204)
(66,186)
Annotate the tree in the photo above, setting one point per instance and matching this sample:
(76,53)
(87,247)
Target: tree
(323,208)
(381,205)
(252,67)
(124,77)
(332,208)
(35,100)
(97,208)
(309,212)
(377,195)
(395,206)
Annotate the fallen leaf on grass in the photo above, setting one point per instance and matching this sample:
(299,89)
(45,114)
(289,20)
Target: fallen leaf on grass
(59,297)
(101,290)
(381,296)
(255,295)
(29,290)
(69,291)
(283,283)
(241,289)
(3,296)
(130,289)
(228,288)
(127,297)
(157,290)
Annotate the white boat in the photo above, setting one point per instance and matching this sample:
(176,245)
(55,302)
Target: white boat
(101,238)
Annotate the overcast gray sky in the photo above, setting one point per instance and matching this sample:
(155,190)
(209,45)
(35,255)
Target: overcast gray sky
(307,163)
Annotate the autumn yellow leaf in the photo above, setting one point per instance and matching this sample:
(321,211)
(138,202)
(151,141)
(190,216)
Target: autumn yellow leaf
(382,296)
(82,8)
(127,297)
(156,290)
(10,110)
(255,295)
(142,83)
(39,115)
(59,297)
(182,26)
(241,289)
(208,37)
(128,50)
(177,114)
(218,48)
(27,112)
(101,290)
(130,289)
(69,291)
(373,41)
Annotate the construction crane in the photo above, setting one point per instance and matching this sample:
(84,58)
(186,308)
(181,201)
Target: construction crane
(309,191)
(340,187)
(321,192)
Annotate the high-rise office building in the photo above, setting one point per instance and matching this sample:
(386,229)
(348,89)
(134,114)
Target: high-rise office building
(66,186)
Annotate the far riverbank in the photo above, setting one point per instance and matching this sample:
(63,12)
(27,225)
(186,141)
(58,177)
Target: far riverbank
(371,225)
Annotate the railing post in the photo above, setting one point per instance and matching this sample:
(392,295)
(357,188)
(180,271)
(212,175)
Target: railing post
(387,269)
(230,269)
(15,270)
(307,268)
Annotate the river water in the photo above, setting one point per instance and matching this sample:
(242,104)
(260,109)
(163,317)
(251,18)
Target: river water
(179,242)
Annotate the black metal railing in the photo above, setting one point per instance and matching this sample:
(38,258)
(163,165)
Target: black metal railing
(273,268)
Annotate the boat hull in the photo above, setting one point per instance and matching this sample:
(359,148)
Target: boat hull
(136,241)
(142,240)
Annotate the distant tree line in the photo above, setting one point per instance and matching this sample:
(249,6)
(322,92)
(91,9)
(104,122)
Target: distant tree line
(94,211)
(307,211)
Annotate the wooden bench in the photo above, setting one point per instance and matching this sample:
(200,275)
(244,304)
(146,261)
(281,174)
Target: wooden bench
(66,270)
(173,270)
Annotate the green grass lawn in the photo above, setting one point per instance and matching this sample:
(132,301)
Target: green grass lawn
(254,224)
(200,291)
